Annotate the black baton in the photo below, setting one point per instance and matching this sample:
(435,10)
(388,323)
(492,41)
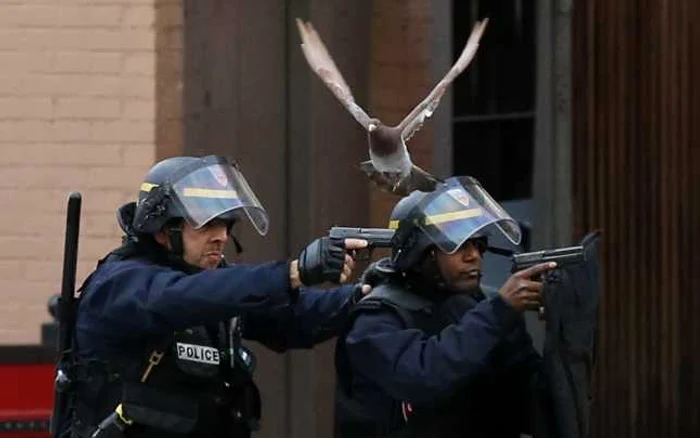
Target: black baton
(66,312)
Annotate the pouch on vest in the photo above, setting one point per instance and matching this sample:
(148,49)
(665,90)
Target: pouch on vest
(246,405)
(571,301)
(195,354)
(153,407)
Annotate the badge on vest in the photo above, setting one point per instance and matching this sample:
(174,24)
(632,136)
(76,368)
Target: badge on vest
(197,353)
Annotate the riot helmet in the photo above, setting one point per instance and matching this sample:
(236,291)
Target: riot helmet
(408,244)
(457,210)
(196,190)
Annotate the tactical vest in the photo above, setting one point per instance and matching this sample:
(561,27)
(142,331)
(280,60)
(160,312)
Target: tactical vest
(352,418)
(192,389)
(195,383)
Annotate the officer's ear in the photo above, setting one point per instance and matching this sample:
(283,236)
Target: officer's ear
(162,238)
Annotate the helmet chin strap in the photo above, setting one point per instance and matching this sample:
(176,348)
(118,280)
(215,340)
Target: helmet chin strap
(236,242)
(174,233)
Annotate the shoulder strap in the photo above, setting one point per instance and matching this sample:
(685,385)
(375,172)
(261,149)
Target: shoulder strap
(395,294)
(122,253)
(392,296)
(385,296)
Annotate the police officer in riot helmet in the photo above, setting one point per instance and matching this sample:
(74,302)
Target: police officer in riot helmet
(157,346)
(428,353)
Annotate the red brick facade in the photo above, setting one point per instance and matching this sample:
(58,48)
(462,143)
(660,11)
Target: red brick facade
(78,111)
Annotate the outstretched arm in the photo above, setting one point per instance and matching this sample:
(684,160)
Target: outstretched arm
(410,365)
(316,317)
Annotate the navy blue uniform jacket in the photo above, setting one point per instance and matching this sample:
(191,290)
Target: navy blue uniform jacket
(392,364)
(130,304)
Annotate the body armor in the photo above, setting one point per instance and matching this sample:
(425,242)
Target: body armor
(194,384)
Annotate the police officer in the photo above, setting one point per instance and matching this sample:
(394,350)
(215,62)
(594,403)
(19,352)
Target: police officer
(157,348)
(427,353)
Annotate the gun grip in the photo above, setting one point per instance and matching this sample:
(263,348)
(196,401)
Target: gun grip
(361,255)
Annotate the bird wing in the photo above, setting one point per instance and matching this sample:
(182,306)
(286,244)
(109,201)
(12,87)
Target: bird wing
(415,119)
(323,65)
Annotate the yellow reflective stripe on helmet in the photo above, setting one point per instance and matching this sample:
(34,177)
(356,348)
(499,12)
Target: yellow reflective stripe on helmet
(146,187)
(452,216)
(394,224)
(192,192)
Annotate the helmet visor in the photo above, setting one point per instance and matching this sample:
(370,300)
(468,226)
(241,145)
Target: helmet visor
(214,188)
(460,210)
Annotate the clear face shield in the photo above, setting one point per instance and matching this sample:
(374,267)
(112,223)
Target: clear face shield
(460,210)
(215,187)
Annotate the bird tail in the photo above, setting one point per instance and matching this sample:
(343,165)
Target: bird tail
(374,175)
(419,179)
(423,180)
(377,177)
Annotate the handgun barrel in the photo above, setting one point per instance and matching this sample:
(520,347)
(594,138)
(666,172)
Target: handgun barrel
(376,237)
(562,256)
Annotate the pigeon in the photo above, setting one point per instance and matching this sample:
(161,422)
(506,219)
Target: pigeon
(390,166)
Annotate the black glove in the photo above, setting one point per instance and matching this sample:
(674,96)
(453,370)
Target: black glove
(379,272)
(322,261)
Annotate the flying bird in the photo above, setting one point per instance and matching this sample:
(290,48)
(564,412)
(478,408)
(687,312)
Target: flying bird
(390,166)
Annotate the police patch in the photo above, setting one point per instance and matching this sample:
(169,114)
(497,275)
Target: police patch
(219,175)
(459,196)
(198,353)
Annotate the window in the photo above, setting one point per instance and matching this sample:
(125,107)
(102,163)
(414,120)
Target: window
(494,99)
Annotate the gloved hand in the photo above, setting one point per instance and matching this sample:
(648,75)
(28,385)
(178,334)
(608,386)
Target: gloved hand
(326,259)
(377,273)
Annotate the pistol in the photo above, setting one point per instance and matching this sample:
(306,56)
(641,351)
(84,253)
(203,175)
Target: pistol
(375,237)
(567,256)
(570,255)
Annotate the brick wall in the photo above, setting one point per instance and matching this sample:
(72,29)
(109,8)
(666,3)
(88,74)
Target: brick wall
(399,79)
(78,107)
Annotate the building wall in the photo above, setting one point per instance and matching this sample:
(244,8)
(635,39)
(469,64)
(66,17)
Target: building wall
(78,107)
(400,76)
(636,176)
